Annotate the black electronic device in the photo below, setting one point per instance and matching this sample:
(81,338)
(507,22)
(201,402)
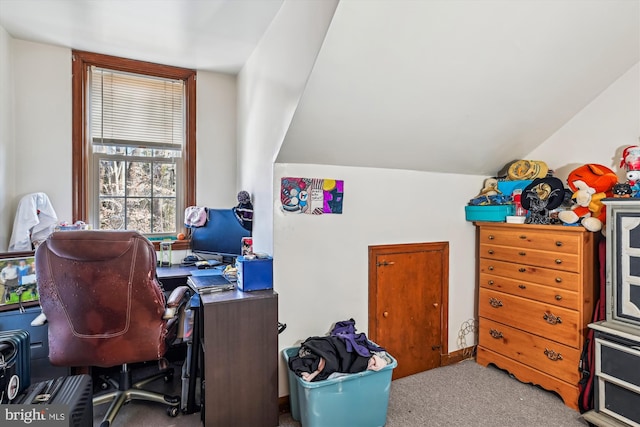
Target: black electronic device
(220,237)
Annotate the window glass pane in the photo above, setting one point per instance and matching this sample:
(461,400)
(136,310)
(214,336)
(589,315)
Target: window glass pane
(111,176)
(168,154)
(112,213)
(164,215)
(164,180)
(109,149)
(139,179)
(139,214)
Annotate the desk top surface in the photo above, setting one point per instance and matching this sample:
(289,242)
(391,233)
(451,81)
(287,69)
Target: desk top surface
(174,271)
(235,295)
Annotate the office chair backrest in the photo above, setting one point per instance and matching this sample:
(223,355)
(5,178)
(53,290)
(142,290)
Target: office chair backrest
(103,303)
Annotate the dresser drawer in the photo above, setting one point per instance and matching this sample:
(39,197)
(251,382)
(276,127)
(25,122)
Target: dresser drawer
(544,276)
(618,378)
(530,239)
(618,361)
(556,260)
(548,356)
(549,321)
(546,294)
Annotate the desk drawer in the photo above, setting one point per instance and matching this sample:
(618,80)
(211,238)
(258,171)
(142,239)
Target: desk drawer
(552,322)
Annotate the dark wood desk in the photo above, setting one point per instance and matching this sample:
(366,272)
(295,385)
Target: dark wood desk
(240,354)
(237,344)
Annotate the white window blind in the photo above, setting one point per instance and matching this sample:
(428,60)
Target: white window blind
(136,111)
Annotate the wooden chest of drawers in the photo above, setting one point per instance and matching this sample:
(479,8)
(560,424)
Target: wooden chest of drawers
(537,290)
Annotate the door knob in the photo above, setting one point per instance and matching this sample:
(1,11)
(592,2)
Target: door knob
(435,304)
(385,314)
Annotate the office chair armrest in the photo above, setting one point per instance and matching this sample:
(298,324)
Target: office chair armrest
(175,301)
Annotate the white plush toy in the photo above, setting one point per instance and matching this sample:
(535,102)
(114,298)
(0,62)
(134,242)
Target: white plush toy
(582,196)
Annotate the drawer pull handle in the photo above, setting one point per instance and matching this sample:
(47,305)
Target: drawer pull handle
(558,297)
(522,286)
(522,253)
(495,334)
(558,261)
(491,237)
(490,251)
(558,279)
(558,244)
(491,268)
(552,355)
(491,282)
(522,269)
(523,237)
(552,319)
(495,302)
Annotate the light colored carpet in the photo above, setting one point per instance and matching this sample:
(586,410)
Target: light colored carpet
(461,395)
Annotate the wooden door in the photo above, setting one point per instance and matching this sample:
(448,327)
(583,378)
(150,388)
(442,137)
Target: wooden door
(408,303)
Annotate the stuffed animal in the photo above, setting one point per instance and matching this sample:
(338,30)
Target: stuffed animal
(490,188)
(590,184)
(622,190)
(631,162)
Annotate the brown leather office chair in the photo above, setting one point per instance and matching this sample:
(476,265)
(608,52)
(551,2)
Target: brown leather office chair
(105,307)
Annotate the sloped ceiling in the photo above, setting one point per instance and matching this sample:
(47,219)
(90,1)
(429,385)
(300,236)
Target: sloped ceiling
(459,86)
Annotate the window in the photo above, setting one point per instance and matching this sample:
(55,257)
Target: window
(133,144)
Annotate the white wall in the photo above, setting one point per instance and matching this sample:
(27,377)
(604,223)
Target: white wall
(599,132)
(322,271)
(216,140)
(6,140)
(41,106)
(269,88)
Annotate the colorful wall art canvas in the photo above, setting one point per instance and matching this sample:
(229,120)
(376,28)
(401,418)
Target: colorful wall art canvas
(314,196)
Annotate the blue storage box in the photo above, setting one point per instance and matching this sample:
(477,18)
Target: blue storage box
(359,399)
(495,213)
(507,187)
(254,274)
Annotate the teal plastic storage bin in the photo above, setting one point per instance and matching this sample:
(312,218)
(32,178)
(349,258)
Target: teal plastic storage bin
(359,399)
(495,213)
(507,187)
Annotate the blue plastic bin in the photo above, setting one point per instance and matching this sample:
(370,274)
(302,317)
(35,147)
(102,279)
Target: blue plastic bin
(359,399)
(495,213)
(507,187)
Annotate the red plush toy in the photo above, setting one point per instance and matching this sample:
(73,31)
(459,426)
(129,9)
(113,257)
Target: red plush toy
(590,184)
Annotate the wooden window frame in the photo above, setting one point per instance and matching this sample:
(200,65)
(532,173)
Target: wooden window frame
(80,149)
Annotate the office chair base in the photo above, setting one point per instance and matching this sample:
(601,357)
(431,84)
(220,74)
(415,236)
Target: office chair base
(119,398)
